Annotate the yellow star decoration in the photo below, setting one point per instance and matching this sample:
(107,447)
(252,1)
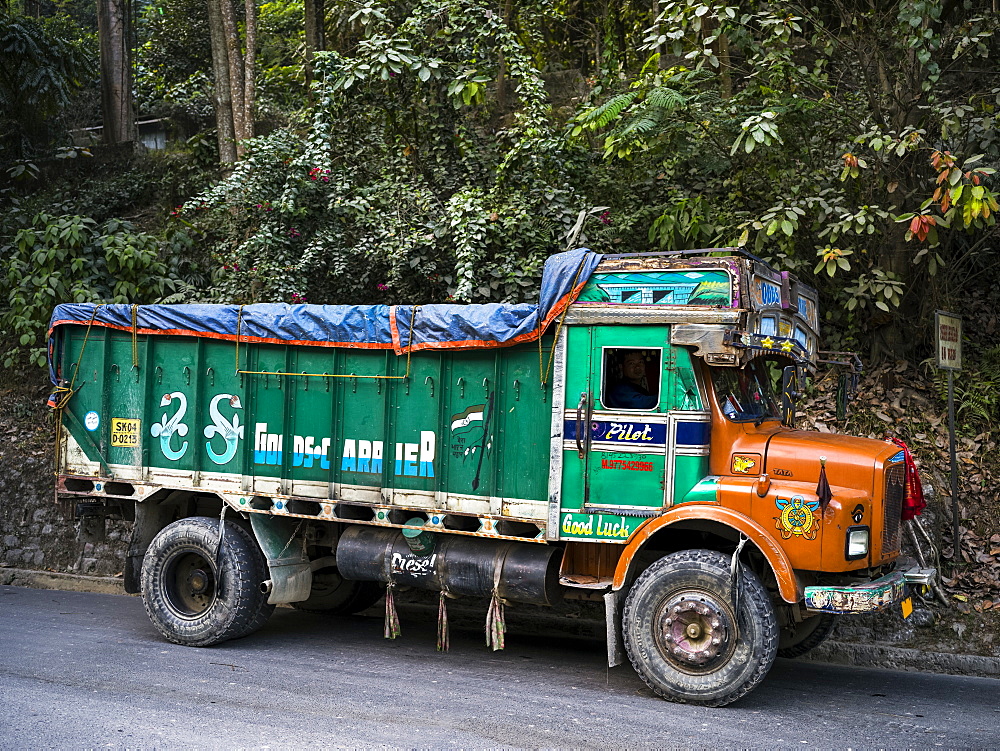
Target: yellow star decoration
(787,345)
(767,342)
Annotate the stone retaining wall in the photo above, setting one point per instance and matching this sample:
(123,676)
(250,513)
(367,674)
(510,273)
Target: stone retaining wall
(35,531)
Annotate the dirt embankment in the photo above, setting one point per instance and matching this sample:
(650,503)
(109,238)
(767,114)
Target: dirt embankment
(902,401)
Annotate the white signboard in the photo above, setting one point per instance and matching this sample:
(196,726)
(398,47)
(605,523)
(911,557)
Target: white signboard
(948,340)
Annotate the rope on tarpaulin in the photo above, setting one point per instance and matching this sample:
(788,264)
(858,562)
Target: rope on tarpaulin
(409,351)
(60,398)
(135,337)
(544,369)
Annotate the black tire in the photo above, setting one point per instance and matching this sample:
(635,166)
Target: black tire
(681,635)
(795,642)
(264,609)
(194,600)
(332,594)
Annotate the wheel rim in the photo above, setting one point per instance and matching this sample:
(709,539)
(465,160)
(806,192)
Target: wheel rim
(189,583)
(695,631)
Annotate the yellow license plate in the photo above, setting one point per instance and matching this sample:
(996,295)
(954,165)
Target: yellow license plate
(907,607)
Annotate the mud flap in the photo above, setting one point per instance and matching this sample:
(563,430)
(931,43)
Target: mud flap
(613,620)
(287,562)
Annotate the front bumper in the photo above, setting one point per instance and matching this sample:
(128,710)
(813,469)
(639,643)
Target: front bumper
(868,597)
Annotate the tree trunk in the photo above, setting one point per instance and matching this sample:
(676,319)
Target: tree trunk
(315,15)
(236,80)
(116,71)
(222,97)
(725,65)
(661,49)
(250,67)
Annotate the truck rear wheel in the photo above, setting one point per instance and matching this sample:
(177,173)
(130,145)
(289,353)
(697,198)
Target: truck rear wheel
(334,595)
(684,638)
(812,632)
(264,608)
(196,597)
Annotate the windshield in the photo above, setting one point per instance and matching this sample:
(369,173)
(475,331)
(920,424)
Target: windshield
(745,395)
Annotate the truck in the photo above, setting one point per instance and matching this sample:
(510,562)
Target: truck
(628,440)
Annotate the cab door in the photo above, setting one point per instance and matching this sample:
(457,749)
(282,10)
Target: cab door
(619,387)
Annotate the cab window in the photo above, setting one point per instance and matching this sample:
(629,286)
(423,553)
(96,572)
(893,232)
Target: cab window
(745,394)
(631,378)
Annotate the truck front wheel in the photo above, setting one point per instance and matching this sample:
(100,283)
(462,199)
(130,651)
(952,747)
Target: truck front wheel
(197,595)
(683,636)
(803,637)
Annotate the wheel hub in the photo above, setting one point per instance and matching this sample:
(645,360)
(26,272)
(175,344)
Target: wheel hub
(199,581)
(188,583)
(695,631)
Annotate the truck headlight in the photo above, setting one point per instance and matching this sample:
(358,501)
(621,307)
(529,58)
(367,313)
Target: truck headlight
(857,542)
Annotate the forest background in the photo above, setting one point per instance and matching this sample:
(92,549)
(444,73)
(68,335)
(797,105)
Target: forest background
(417,151)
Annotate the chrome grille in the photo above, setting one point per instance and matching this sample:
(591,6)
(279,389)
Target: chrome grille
(895,492)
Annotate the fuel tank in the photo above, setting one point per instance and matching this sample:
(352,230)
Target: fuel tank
(518,572)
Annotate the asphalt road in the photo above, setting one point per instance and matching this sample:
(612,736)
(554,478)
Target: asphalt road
(81,670)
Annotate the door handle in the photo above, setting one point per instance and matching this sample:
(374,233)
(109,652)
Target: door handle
(579,424)
(588,417)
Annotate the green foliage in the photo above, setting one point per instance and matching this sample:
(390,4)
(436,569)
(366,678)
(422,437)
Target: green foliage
(447,147)
(977,389)
(686,224)
(68,258)
(174,63)
(394,191)
(43,64)
(853,146)
(655,113)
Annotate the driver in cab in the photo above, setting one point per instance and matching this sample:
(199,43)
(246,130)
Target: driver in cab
(632,391)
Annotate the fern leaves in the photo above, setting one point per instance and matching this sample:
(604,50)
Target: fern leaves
(636,118)
(605,114)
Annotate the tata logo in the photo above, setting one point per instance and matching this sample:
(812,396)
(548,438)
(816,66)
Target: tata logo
(782,472)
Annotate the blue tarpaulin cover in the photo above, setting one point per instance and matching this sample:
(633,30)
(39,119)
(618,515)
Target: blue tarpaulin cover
(403,328)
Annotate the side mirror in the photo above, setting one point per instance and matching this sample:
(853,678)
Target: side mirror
(789,393)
